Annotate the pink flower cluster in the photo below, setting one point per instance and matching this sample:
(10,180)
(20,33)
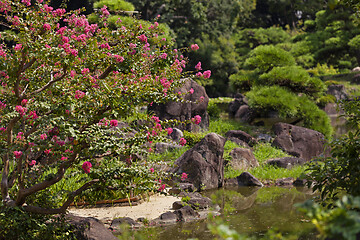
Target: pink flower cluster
(194,47)
(183,176)
(206,74)
(113,123)
(198,66)
(2,105)
(196,119)
(17,154)
(21,110)
(169,131)
(86,166)
(182,141)
(143,38)
(79,94)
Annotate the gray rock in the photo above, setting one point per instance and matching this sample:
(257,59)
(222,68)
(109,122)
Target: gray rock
(187,187)
(284,181)
(88,228)
(178,204)
(338,91)
(187,109)
(186,214)
(161,147)
(242,159)
(203,163)
(238,142)
(176,135)
(115,224)
(286,162)
(246,179)
(299,141)
(243,136)
(168,218)
(264,138)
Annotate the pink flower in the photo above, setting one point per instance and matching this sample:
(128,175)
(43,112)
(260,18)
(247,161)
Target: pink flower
(163,56)
(194,47)
(47,151)
(198,66)
(63,158)
(182,141)
(199,74)
(43,136)
(24,102)
(201,98)
(18,47)
(17,154)
(162,188)
(156,119)
(105,12)
(143,38)
(191,91)
(152,170)
(79,94)
(113,122)
(87,166)
(26,2)
(132,45)
(20,136)
(207,74)
(2,129)
(46,27)
(2,105)
(196,119)
(84,71)
(32,163)
(119,58)
(183,176)
(169,131)
(21,110)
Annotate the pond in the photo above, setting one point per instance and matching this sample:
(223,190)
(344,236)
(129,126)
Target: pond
(252,212)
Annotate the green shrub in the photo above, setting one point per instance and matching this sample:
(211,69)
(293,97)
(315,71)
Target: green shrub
(287,104)
(323,69)
(193,138)
(242,81)
(221,126)
(315,118)
(273,98)
(293,77)
(115,5)
(265,57)
(16,224)
(323,100)
(213,110)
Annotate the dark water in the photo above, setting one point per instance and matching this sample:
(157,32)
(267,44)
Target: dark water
(251,212)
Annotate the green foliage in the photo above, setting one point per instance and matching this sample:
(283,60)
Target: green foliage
(288,104)
(265,57)
(323,69)
(221,126)
(294,78)
(331,175)
(17,224)
(192,138)
(264,151)
(323,100)
(242,80)
(340,222)
(213,110)
(273,98)
(115,5)
(268,172)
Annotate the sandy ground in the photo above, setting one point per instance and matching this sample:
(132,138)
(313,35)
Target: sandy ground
(149,209)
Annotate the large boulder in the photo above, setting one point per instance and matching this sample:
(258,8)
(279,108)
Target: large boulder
(245,179)
(88,228)
(299,141)
(241,135)
(338,91)
(195,104)
(286,162)
(242,159)
(203,163)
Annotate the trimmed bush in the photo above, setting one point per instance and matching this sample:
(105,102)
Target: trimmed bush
(295,78)
(265,57)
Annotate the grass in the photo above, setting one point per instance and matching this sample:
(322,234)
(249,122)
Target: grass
(264,152)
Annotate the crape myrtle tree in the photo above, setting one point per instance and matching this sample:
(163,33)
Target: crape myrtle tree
(65,83)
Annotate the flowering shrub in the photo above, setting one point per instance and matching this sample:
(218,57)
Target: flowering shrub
(65,85)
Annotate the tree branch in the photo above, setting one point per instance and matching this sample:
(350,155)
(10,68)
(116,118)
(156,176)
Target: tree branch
(29,64)
(50,83)
(66,204)
(106,72)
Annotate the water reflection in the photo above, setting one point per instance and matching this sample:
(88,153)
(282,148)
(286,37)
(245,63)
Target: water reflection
(251,211)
